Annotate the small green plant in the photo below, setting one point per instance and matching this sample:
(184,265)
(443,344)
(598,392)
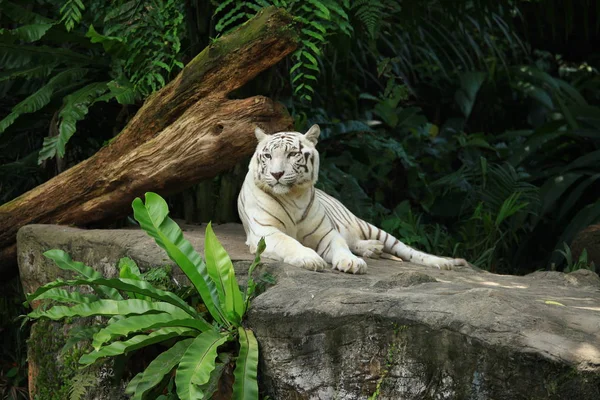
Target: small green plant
(13,381)
(571,264)
(141,314)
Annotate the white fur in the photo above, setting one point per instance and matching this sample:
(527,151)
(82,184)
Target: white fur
(302,225)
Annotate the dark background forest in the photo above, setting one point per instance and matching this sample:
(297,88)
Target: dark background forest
(466,128)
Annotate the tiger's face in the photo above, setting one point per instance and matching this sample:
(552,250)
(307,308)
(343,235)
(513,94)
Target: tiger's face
(286,161)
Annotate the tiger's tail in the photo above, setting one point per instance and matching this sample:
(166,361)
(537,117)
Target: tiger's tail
(395,247)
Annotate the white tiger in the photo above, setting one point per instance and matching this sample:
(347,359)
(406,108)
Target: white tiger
(302,225)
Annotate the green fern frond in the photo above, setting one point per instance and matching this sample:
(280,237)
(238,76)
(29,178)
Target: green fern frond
(81,382)
(369,13)
(71,13)
(150,37)
(238,12)
(75,108)
(42,97)
(229,19)
(318,19)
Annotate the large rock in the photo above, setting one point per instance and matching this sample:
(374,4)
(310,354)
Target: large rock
(403,331)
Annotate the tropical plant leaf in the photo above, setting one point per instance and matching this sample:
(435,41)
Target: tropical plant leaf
(220,269)
(140,287)
(470,83)
(196,365)
(132,385)
(136,342)
(35,72)
(64,296)
(122,90)
(21,15)
(77,334)
(157,369)
(137,323)
(75,108)
(575,195)
(13,56)
(153,218)
(42,97)
(210,387)
(251,285)
(128,269)
(554,188)
(245,386)
(108,308)
(26,33)
(112,44)
(64,261)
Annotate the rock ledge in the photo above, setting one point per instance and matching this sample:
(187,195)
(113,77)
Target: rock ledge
(403,330)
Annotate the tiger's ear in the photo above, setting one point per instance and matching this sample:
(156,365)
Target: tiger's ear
(313,133)
(260,134)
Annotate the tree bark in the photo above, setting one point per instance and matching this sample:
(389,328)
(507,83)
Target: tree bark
(186,132)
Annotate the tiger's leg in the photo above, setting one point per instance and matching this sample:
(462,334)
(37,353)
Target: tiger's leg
(396,248)
(282,247)
(367,248)
(330,244)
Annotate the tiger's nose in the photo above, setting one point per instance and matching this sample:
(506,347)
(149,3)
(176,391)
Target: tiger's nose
(277,175)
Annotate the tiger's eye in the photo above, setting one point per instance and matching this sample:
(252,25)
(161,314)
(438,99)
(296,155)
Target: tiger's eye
(267,155)
(293,154)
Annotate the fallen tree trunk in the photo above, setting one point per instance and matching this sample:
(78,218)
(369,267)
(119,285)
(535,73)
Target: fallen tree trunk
(186,132)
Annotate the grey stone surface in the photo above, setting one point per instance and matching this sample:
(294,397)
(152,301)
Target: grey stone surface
(403,330)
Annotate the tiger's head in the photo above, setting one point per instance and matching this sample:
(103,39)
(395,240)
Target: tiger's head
(286,162)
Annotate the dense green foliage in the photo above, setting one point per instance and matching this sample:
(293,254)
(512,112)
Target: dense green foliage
(62,58)
(13,352)
(466,127)
(141,315)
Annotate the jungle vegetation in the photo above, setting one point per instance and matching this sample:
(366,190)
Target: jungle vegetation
(467,128)
(464,127)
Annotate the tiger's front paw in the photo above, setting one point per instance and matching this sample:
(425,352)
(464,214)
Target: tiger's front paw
(309,260)
(350,264)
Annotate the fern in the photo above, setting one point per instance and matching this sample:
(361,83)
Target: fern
(370,14)
(81,382)
(141,43)
(74,109)
(317,19)
(43,96)
(151,35)
(71,13)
